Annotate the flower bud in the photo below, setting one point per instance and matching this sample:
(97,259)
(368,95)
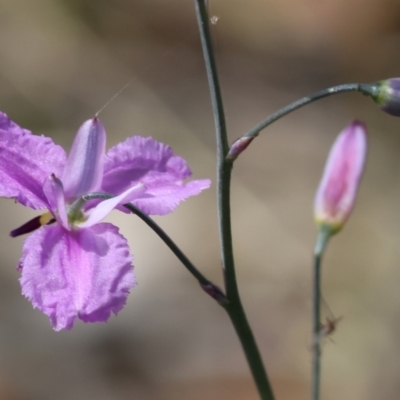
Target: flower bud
(338,188)
(386,94)
(215,292)
(238,146)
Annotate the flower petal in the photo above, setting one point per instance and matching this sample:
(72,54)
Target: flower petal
(54,191)
(84,169)
(26,161)
(84,274)
(141,159)
(163,199)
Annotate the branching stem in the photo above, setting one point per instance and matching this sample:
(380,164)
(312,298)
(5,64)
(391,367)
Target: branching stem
(348,87)
(234,306)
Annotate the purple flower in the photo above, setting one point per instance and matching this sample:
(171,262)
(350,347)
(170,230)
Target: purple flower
(74,266)
(338,188)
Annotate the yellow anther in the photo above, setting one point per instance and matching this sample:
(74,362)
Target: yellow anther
(45,218)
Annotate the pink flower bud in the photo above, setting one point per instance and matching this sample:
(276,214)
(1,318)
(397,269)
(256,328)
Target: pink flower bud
(238,147)
(338,188)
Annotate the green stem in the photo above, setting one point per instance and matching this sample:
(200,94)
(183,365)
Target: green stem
(324,235)
(213,290)
(171,244)
(243,330)
(316,328)
(349,87)
(234,306)
(212,75)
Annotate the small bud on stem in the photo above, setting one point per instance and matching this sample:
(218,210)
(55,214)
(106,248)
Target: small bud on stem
(238,146)
(386,94)
(215,292)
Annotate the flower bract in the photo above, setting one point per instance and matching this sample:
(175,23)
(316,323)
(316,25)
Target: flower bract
(73,265)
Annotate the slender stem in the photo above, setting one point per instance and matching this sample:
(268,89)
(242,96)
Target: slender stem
(234,306)
(223,168)
(349,87)
(323,237)
(228,262)
(209,287)
(171,244)
(316,327)
(212,75)
(243,330)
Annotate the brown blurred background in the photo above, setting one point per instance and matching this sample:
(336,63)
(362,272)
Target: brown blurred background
(61,60)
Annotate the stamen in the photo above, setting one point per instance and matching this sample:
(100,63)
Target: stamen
(33,224)
(46,219)
(97,195)
(75,209)
(78,203)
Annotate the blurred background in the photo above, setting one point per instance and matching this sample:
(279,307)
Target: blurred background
(62,60)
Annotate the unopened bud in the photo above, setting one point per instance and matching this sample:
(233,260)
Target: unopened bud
(386,94)
(215,292)
(338,188)
(238,146)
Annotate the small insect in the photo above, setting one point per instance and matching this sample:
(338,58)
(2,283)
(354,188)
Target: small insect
(330,324)
(328,327)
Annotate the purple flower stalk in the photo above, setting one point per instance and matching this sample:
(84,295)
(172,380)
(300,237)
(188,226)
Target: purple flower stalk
(72,265)
(338,188)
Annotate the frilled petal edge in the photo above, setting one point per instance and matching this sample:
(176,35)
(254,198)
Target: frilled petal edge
(163,199)
(84,274)
(26,160)
(141,159)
